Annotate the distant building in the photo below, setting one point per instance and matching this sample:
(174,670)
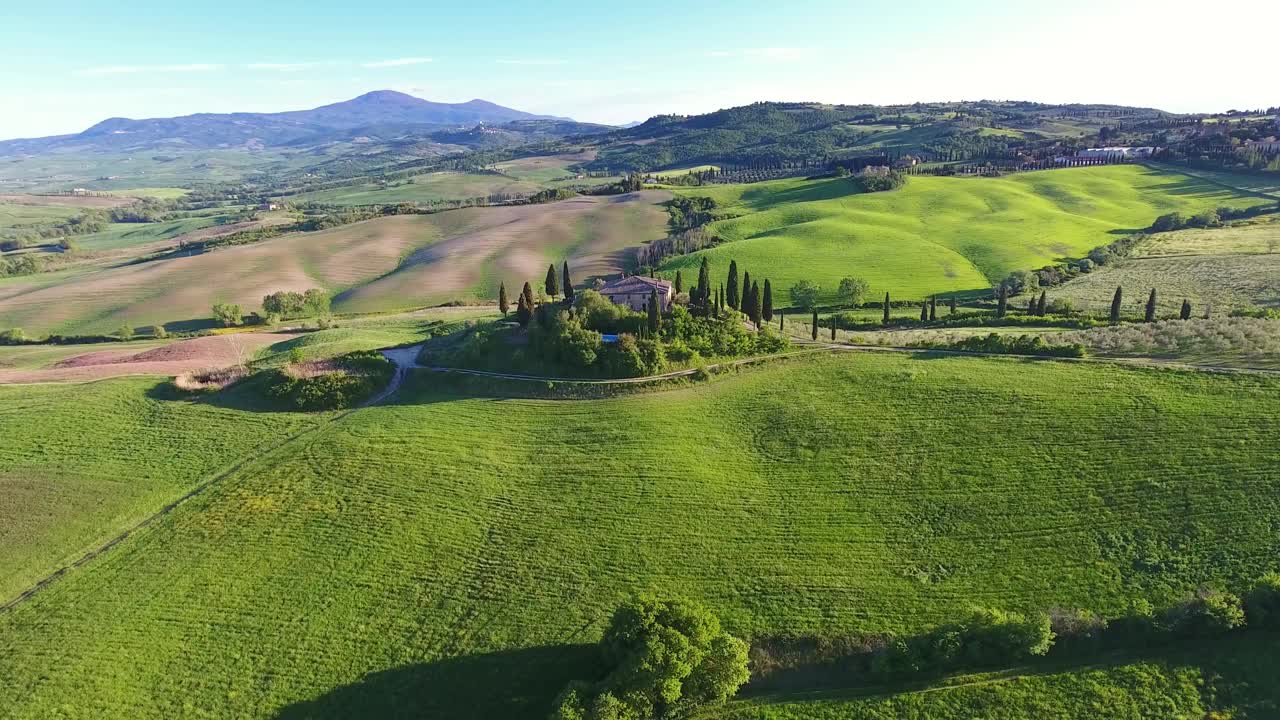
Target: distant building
(79,191)
(1270,145)
(268,206)
(634,292)
(1116,153)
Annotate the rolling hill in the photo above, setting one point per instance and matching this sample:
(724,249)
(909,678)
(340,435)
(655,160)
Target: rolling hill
(939,234)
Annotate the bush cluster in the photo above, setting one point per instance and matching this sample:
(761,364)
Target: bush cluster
(1007,344)
(357,376)
(662,659)
(987,637)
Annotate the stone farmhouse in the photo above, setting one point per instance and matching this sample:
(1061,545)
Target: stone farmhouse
(634,292)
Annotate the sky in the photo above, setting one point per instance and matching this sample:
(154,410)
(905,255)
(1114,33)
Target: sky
(70,64)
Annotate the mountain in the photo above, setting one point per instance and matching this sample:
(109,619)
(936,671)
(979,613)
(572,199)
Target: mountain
(382,114)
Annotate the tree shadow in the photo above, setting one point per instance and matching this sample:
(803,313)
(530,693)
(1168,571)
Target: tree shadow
(509,684)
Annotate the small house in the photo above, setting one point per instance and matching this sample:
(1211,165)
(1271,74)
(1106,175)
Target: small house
(634,291)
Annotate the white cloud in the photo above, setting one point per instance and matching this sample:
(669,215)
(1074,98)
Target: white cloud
(286,67)
(129,69)
(534,61)
(396,63)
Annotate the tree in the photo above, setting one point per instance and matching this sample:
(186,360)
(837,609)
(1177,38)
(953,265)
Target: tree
(933,307)
(746,290)
(782,320)
(125,332)
(1115,305)
(1040,306)
(704,288)
(1150,315)
(804,294)
(768,301)
(853,290)
(814,329)
(1002,301)
(552,283)
(1185,314)
(316,302)
(679,283)
(757,304)
(953,305)
(524,306)
(833,328)
(924,311)
(503,304)
(731,289)
(655,314)
(568,284)
(886,309)
(158,332)
(227,315)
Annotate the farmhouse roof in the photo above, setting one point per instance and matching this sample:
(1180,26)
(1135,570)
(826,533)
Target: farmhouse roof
(635,284)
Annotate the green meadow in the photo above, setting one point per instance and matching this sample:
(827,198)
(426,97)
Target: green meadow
(938,234)
(451,554)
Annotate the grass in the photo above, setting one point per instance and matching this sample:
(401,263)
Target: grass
(1231,676)
(159,193)
(449,555)
(1230,267)
(1219,341)
(18,215)
(938,234)
(82,462)
(125,235)
(432,187)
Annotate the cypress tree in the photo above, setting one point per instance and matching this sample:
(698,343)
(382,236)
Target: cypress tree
(782,320)
(655,316)
(924,311)
(731,291)
(833,328)
(886,308)
(1151,307)
(704,287)
(1186,310)
(814,329)
(933,307)
(757,304)
(744,295)
(679,283)
(1040,307)
(567,283)
(552,283)
(524,306)
(1115,305)
(953,304)
(1002,301)
(503,305)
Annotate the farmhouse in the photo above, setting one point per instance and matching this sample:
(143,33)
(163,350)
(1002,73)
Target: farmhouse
(634,292)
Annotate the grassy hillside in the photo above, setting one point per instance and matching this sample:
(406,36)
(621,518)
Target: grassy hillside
(81,462)
(938,234)
(1236,266)
(449,556)
(384,264)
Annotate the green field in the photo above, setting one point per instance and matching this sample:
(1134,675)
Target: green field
(938,234)
(432,187)
(1223,268)
(450,554)
(124,235)
(17,215)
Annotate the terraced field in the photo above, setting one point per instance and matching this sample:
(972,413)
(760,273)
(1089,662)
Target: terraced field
(937,234)
(449,555)
(384,264)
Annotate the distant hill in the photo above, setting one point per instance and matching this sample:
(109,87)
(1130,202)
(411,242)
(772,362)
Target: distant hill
(771,134)
(379,115)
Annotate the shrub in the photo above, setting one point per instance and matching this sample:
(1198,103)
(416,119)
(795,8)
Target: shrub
(13,336)
(1020,281)
(125,332)
(158,332)
(227,315)
(804,294)
(1207,613)
(1262,604)
(352,378)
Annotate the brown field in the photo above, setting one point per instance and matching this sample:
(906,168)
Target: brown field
(211,352)
(383,264)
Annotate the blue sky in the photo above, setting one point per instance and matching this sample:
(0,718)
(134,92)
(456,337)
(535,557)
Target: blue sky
(70,64)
